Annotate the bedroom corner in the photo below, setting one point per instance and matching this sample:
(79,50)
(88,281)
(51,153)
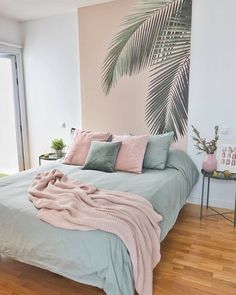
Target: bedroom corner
(117,147)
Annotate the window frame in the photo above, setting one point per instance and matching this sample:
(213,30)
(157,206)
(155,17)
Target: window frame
(15,53)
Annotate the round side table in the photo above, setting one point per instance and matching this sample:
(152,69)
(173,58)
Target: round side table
(49,157)
(221,177)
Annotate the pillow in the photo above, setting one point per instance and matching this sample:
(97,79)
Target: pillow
(79,147)
(157,151)
(102,156)
(131,154)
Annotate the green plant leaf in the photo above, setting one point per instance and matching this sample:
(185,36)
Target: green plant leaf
(169,111)
(157,36)
(132,48)
(167,103)
(57,144)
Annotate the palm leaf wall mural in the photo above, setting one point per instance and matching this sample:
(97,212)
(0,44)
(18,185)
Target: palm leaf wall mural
(157,37)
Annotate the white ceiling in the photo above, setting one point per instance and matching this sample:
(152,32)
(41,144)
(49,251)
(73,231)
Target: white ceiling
(23,10)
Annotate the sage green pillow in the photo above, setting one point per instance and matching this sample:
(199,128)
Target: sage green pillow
(157,151)
(102,156)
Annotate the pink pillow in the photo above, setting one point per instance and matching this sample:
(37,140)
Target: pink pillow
(79,147)
(131,154)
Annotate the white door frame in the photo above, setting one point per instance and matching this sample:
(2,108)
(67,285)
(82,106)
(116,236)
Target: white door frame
(15,54)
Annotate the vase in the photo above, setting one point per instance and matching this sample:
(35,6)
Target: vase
(59,153)
(209,163)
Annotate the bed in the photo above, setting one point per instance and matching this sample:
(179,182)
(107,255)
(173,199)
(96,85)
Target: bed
(94,257)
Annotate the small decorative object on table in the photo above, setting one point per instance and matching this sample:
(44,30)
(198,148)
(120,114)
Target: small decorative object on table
(46,155)
(226,156)
(58,145)
(209,147)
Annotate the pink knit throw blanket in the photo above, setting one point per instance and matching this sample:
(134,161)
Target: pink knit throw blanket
(77,206)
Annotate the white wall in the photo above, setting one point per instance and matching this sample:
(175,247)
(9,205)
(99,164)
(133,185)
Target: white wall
(212,99)
(10,31)
(51,63)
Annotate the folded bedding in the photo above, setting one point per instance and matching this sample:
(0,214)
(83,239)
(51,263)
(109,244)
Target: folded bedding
(92,257)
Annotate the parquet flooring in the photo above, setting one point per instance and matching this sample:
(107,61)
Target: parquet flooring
(198,258)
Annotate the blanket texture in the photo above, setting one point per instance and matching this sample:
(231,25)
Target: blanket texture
(78,206)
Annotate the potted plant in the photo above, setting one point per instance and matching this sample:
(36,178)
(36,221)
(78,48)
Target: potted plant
(209,147)
(58,145)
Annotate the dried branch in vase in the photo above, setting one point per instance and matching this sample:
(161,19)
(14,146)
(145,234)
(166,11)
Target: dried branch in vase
(202,145)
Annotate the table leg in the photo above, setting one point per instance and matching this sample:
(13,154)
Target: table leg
(203,184)
(208,190)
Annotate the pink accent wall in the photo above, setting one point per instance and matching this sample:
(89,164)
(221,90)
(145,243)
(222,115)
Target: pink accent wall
(123,110)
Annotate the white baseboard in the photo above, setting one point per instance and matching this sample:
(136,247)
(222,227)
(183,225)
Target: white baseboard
(213,203)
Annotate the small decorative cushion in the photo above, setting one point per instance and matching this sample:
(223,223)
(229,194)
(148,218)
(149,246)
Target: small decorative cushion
(80,144)
(157,151)
(102,156)
(131,154)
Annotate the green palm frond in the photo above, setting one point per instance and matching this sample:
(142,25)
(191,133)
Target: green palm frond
(132,48)
(167,103)
(157,36)
(169,111)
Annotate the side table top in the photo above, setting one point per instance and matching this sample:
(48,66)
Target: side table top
(50,157)
(220,176)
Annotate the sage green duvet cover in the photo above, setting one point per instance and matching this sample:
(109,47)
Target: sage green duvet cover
(91,257)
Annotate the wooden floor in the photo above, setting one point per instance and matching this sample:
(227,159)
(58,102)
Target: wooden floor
(197,258)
